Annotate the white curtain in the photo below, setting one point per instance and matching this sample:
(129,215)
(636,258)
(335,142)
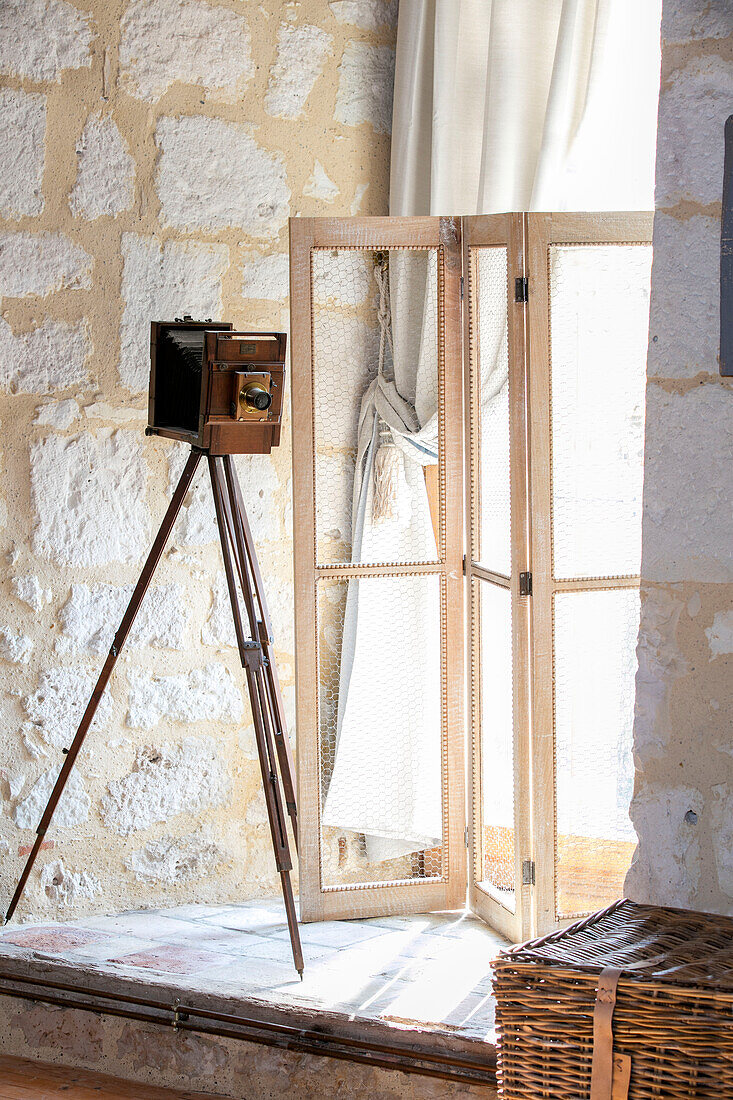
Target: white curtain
(386,776)
(499,105)
(524,105)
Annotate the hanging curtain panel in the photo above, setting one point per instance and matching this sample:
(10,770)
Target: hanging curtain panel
(377,408)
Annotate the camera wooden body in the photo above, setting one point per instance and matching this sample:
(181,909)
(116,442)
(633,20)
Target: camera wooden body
(215,388)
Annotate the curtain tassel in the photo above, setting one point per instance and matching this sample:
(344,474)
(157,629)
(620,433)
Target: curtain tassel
(386,480)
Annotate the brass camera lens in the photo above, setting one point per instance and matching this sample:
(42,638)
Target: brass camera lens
(254,396)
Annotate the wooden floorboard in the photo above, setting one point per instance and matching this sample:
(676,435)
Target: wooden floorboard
(21,1079)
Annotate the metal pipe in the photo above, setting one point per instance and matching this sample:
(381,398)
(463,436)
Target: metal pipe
(291,1037)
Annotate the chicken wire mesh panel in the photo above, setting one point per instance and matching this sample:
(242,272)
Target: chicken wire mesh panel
(489,360)
(594,669)
(380,729)
(377,403)
(599,323)
(494,727)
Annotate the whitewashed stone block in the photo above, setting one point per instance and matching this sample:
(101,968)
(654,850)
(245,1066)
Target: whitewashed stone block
(88,496)
(366,85)
(41,263)
(720,634)
(262,496)
(55,708)
(166,781)
(666,869)
(131,412)
(175,859)
(92,614)
(41,38)
(22,137)
(66,888)
(218,628)
(261,493)
(184,41)
(160,282)
(685,305)
(301,55)
(205,694)
(693,108)
(14,645)
(660,663)
(722,822)
(28,589)
(73,807)
(244,185)
(370,15)
(684,20)
(266,276)
(46,359)
(688,535)
(58,414)
(319,186)
(105,175)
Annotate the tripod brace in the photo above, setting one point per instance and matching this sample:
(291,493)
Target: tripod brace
(273,748)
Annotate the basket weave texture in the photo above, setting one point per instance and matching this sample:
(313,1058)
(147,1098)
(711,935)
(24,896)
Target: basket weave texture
(673,1014)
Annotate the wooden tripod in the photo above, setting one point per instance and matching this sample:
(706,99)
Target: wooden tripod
(268,714)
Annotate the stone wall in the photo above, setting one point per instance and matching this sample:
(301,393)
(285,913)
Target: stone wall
(683,805)
(152,152)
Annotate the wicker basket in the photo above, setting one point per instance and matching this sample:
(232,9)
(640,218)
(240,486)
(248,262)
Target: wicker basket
(636,1001)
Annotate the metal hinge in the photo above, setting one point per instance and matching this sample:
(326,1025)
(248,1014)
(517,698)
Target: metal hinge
(465,836)
(525,584)
(528,872)
(461,288)
(464,565)
(521,289)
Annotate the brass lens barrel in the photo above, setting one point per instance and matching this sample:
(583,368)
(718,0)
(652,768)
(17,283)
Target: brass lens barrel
(255,397)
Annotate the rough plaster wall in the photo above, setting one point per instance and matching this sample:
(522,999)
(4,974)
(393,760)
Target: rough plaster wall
(683,803)
(151,153)
(227,1067)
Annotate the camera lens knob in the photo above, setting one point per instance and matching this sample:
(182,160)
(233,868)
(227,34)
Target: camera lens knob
(254,396)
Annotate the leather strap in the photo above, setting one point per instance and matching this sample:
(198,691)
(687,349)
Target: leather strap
(621,1077)
(602,1075)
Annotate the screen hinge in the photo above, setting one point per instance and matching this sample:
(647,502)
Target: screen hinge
(525,584)
(464,565)
(461,288)
(465,836)
(521,289)
(528,878)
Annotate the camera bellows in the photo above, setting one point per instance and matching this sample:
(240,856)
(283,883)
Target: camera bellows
(187,345)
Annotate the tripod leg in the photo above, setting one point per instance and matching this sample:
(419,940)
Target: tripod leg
(282,743)
(119,640)
(250,653)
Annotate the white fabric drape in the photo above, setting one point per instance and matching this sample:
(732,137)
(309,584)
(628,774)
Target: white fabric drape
(524,105)
(386,776)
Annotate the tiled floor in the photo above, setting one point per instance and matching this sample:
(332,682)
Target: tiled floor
(432,970)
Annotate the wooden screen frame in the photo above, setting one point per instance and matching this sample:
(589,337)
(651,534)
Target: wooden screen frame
(543,231)
(527,238)
(319,902)
(507,231)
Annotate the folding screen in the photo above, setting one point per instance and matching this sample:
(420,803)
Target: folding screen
(377,413)
(552,331)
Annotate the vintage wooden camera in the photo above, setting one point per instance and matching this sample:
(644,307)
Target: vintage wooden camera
(214,388)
